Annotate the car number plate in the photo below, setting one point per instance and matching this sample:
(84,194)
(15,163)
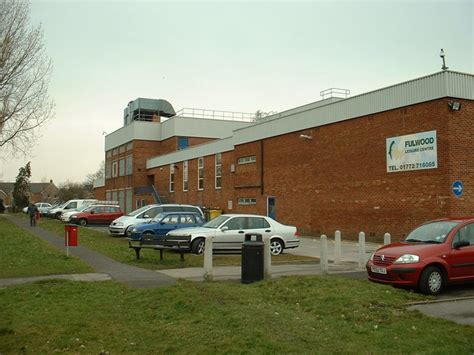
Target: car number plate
(378,270)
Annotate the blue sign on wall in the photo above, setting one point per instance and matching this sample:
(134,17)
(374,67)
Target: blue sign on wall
(458,188)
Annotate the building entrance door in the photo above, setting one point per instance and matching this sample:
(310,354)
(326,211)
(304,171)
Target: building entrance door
(271,208)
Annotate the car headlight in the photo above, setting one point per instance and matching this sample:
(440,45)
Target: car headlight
(372,256)
(407,259)
(118,223)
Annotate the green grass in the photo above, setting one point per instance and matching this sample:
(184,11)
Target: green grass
(23,254)
(117,248)
(288,315)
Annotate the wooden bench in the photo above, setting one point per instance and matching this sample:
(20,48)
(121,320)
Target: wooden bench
(179,244)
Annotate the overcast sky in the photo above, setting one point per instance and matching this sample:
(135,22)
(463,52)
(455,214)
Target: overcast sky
(239,56)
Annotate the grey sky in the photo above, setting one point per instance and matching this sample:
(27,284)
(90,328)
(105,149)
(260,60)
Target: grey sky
(238,56)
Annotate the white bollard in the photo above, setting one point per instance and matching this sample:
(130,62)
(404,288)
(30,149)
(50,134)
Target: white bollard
(387,238)
(267,258)
(323,261)
(362,257)
(337,247)
(208,259)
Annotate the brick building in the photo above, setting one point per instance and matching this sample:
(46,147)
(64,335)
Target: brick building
(383,161)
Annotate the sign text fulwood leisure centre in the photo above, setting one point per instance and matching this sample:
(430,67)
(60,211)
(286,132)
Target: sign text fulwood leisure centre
(412,152)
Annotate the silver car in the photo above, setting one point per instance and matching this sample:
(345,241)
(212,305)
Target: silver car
(229,232)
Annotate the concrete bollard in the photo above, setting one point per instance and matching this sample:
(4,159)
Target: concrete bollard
(208,259)
(337,247)
(267,258)
(387,238)
(323,261)
(362,257)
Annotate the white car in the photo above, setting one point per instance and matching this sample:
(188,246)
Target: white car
(43,207)
(229,232)
(122,225)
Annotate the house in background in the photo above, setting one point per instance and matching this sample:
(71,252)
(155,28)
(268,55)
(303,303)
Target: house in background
(39,192)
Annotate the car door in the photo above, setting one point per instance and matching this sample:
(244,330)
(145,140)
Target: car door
(231,235)
(96,215)
(462,259)
(259,225)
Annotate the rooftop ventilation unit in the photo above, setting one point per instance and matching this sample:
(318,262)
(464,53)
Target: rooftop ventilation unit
(146,109)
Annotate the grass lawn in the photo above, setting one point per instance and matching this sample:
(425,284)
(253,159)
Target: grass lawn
(117,248)
(23,254)
(288,315)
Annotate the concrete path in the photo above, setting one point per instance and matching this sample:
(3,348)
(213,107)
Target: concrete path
(130,275)
(460,311)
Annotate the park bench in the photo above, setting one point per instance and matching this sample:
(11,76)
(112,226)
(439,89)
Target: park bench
(149,241)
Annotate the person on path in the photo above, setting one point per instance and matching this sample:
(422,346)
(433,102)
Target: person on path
(32,211)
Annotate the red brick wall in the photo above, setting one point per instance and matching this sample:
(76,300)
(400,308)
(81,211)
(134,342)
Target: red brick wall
(338,180)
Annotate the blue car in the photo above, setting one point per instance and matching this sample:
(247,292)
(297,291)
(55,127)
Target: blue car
(164,222)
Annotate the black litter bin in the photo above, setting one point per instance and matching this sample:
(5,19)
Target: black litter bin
(252,258)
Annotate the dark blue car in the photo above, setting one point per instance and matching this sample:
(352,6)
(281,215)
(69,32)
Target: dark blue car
(166,221)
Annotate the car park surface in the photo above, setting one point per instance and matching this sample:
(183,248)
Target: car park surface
(229,232)
(165,222)
(122,225)
(433,255)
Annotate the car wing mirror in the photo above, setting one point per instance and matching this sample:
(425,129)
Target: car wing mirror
(460,244)
(225,228)
(92,212)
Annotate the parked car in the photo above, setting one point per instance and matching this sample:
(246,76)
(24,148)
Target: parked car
(122,225)
(97,214)
(43,207)
(165,222)
(66,215)
(70,205)
(229,232)
(435,254)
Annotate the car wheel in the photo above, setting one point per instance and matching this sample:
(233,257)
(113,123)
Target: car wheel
(198,246)
(83,222)
(431,281)
(57,215)
(276,246)
(128,231)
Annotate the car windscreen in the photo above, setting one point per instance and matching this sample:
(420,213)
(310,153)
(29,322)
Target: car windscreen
(137,212)
(216,222)
(435,232)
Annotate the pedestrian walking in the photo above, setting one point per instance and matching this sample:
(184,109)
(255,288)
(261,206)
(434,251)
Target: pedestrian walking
(32,212)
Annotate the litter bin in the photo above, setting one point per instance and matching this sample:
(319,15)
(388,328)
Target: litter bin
(214,213)
(70,235)
(252,258)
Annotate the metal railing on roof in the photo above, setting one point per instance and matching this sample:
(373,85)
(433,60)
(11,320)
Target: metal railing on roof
(334,92)
(217,115)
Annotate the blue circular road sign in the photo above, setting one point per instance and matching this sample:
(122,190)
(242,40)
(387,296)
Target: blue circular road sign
(457,188)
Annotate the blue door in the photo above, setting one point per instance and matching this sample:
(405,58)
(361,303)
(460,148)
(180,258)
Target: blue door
(271,209)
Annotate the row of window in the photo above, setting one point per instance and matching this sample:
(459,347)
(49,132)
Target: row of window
(119,150)
(200,172)
(123,196)
(119,167)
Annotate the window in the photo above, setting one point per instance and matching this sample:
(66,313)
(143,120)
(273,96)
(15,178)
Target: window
(257,223)
(108,170)
(114,195)
(236,223)
(218,180)
(200,173)
(183,143)
(171,219)
(108,154)
(129,146)
(188,219)
(172,178)
(247,201)
(466,233)
(115,151)
(115,169)
(121,167)
(185,175)
(121,199)
(129,165)
(128,200)
(108,195)
(122,149)
(247,160)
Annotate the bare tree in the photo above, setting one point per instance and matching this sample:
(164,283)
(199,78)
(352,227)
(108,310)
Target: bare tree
(25,70)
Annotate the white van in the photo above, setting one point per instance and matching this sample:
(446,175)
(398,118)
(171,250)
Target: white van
(69,206)
(121,226)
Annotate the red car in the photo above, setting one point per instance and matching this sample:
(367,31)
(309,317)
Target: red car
(97,214)
(433,255)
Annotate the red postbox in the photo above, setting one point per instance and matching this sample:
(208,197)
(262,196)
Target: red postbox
(70,235)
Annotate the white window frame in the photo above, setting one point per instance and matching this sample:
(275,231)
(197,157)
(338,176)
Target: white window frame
(115,168)
(185,176)
(199,170)
(247,160)
(218,176)
(171,177)
(247,201)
